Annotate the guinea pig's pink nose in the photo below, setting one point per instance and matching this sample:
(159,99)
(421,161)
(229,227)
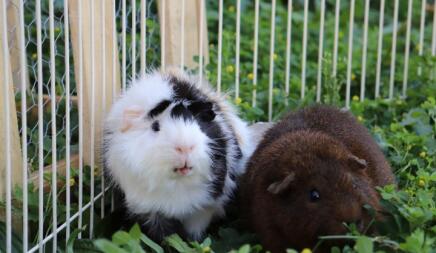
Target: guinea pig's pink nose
(184,149)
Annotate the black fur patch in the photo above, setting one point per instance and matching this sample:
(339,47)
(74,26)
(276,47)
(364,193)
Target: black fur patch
(219,155)
(180,111)
(157,226)
(159,108)
(185,91)
(202,110)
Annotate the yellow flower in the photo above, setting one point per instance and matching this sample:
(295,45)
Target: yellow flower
(57,30)
(238,100)
(355,98)
(34,55)
(230,69)
(423,154)
(353,77)
(399,102)
(275,57)
(306,250)
(72,181)
(250,76)
(360,118)
(231,8)
(421,183)
(206,249)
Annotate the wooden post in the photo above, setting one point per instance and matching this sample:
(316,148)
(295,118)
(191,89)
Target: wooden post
(100,86)
(14,37)
(173,32)
(15,151)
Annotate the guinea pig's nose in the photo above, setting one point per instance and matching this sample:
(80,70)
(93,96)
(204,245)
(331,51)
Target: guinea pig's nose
(184,149)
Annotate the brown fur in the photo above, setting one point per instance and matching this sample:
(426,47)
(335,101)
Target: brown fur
(319,148)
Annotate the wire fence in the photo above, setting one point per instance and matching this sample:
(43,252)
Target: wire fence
(65,60)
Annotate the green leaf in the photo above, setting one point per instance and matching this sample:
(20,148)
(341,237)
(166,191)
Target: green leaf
(121,237)
(108,247)
(72,239)
(178,244)
(364,245)
(244,249)
(135,232)
(154,246)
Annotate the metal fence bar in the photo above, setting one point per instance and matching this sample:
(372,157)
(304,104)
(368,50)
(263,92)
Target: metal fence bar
(304,54)
(24,129)
(182,35)
(114,69)
(80,109)
(143,36)
(103,81)
(92,142)
(6,105)
(63,226)
(40,129)
(379,48)
(162,36)
(201,54)
(114,51)
(394,51)
(255,52)
(53,123)
(320,52)
(407,48)
(364,52)
(133,34)
(288,49)
(271,60)
(67,122)
(350,54)
(220,45)
(421,33)
(238,45)
(124,42)
(336,38)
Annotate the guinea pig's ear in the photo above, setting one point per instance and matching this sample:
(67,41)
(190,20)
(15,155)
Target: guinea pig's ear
(130,115)
(202,109)
(356,162)
(281,185)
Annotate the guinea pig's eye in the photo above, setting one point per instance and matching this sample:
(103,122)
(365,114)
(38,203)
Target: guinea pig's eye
(314,195)
(155,126)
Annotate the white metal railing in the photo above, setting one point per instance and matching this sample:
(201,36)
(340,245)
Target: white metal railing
(97,79)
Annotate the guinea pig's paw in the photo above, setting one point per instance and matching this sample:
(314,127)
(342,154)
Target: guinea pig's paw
(281,185)
(131,116)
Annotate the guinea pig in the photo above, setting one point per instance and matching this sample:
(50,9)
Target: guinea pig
(312,173)
(174,148)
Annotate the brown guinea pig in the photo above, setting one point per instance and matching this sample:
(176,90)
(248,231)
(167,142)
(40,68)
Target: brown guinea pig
(312,172)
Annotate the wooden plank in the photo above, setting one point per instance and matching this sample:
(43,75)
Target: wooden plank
(99,84)
(61,168)
(14,37)
(14,135)
(173,32)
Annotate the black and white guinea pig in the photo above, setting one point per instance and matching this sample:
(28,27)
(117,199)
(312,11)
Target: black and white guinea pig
(175,149)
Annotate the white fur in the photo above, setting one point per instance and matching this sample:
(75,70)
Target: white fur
(142,161)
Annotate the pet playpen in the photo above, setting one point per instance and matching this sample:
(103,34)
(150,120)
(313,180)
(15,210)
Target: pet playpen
(63,62)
